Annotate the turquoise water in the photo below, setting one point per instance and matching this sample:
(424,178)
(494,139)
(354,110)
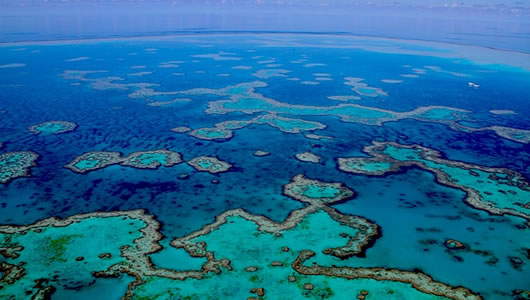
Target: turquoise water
(52,128)
(67,256)
(147,159)
(416,214)
(86,164)
(316,192)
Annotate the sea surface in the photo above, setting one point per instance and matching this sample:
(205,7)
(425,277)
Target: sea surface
(127,94)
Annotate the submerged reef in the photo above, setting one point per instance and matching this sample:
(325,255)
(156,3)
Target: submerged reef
(268,73)
(152,159)
(181,129)
(209,164)
(318,137)
(307,157)
(225,130)
(502,112)
(392,81)
(453,244)
(142,160)
(316,192)
(169,102)
(212,134)
(245,255)
(53,127)
(266,259)
(261,153)
(66,253)
(221,55)
(244,98)
(94,160)
(419,281)
(344,98)
(16,164)
(363,89)
(495,190)
(514,134)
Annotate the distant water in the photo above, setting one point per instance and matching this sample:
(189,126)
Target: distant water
(501,30)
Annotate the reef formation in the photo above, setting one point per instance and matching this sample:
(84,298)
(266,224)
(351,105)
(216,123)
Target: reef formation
(225,130)
(181,129)
(261,153)
(245,255)
(307,157)
(495,190)
(363,89)
(244,98)
(53,127)
(209,164)
(141,160)
(16,164)
(55,253)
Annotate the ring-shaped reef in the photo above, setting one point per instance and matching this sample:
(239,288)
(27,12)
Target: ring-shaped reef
(315,192)
(53,127)
(16,164)
(152,159)
(497,191)
(212,134)
(245,255)
(209,164)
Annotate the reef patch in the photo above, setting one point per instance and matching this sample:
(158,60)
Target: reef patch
(152,159)
(497,191)
(53,127)
(209,164)
(16,164)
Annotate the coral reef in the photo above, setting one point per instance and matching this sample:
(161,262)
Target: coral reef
(495,190)
(245,255)
(209,164)
(307,157)
(181,129)
(261,153)
(141,160)
(16,164)
(363,89)
(225,130)
(53,127)
(316,192)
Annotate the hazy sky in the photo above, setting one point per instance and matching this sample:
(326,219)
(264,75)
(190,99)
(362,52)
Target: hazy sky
(501,24)
(505,7)
(510,4)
